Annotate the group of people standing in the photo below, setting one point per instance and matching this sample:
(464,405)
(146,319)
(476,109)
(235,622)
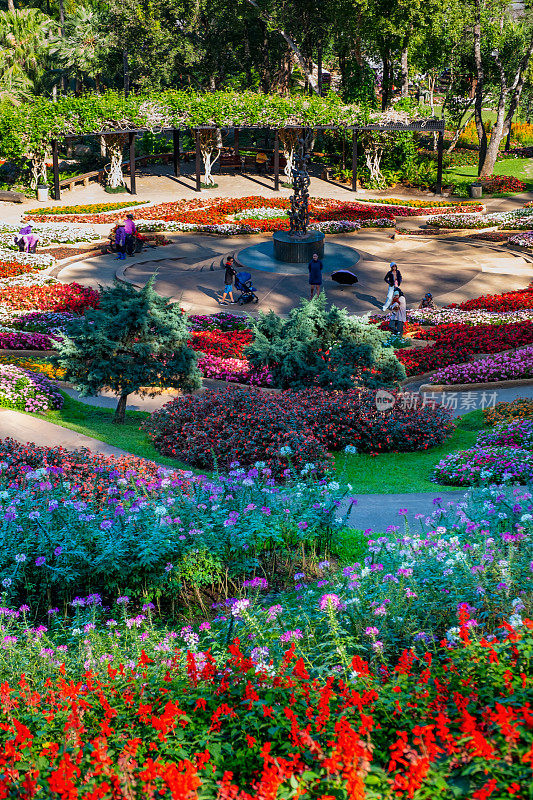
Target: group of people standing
(396,300)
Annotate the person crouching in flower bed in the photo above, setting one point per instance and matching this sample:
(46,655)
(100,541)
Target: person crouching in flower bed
(427,301)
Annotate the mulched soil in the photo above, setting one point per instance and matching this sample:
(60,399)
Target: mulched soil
(65,252)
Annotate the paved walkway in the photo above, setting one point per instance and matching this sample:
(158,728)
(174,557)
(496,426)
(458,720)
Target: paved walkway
(378,511)
(189,271)
(26,429)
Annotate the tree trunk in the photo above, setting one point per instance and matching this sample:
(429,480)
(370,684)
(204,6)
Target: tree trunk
(297,54)
(385,87)
(509,98)
(62,17)
(405,70)
(120,412)
(11,6)
(480,80)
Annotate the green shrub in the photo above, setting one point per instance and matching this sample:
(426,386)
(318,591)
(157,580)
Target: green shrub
(322,346)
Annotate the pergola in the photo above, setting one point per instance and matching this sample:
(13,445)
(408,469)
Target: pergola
(420,126)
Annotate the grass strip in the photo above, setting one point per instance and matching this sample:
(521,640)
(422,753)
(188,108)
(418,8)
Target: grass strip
(396,473)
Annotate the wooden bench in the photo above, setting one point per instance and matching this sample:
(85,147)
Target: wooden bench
(99,174)
(231,162)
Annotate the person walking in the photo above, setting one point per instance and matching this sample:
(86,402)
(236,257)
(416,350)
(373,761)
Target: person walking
(130,230)
(394,279)
(315,267)
(120,241)
(229,277)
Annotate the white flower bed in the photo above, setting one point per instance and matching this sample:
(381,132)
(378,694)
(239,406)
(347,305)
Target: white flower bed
(51,233)
(260,213)
(27,279)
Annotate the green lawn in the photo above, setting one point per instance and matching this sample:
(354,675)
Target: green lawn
(394,473)
(521,168)
(98,423)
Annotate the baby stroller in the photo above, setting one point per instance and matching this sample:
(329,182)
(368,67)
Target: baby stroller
(243,284)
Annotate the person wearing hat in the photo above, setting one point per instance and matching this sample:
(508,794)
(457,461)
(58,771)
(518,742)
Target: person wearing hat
(427,301)
(120,240)
(130,230)
(394,279)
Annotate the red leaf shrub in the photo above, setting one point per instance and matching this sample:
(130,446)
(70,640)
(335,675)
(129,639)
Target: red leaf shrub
(219,427)
(458,342)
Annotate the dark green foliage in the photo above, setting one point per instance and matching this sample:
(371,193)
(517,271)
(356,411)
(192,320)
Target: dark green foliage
(135,341)
(322,346)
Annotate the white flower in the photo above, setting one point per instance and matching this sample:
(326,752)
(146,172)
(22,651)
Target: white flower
(285,451)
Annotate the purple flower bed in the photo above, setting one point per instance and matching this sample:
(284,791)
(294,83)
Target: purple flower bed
(480,465)
(27,391)
(518,433)
(221,322)
(233,370)
(45,322)
(499,367)
(26,341)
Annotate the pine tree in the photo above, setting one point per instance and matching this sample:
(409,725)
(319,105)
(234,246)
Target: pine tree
(135,341)
(321,346)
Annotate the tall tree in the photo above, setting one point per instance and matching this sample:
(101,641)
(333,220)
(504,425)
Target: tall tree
(25,37)
(82,48)
(135,341)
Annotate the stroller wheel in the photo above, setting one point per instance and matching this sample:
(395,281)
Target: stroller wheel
(256,299)
(241,301)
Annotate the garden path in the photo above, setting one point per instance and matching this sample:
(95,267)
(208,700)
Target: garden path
(25,428)
(189,271)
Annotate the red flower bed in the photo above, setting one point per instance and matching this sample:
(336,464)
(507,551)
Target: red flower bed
(508,301)
(457,343)
(224,344)
(219,210)
(434,721)
(10,269)
(217,428)
(498,184)
(90,471)
(53,297)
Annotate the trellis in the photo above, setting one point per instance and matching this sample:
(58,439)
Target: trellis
(422,126)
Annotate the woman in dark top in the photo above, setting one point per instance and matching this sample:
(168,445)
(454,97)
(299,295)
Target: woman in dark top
(229,276)
(394,279)
(315,274)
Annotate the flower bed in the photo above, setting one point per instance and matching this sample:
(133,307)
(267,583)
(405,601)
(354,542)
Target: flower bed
(506,412)
(508,301)
(449,316)
(50,297)
(48,322)
(27,391)
(163,722)
(499,367)
(482,465)
(219,427)
(150,532)
(254,215)
(57,232)
(511,220)
(222,344)
(460,205)
(457,343)
(34,364)
(19,340)
(29,260)
(521,239)
(502,184)
(221,321)
(233,370)
(92,208)
(517,433)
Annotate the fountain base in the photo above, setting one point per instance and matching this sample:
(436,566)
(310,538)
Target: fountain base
(297,249)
